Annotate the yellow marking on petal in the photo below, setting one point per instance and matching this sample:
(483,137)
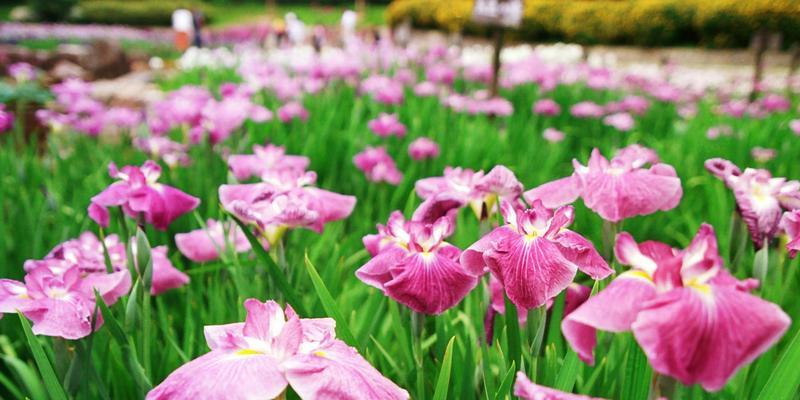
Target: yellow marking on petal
(320,353)
(248,352)
(24,296)
(530,236)
(700,287)
(635,273)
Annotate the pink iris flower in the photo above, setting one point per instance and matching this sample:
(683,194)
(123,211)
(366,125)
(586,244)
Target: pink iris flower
(546,107)
(263,159)
(423,148)
(527,390)
(616,189)
(61,304)
(692,318)
(6,119)
(760,198)
(426,89)
(221,118)
(791,225)
(138,193)
(86,252)
(22,72)
(794,125)
(378,166)
(534,255)
(285,200)
(460,187)
(586,109)
(387,125)
(271,350)
(201,245)
(620,121)
(553,135)
(413,264)
(161,147)
(291,111)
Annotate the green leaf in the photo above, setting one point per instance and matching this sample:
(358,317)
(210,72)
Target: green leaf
(512,332)
(505,385)
(636,383)
(554,328)
(443,382)
(329,304)
(49,377)
(784,381)
(565,380)
(278,276)
(126,345)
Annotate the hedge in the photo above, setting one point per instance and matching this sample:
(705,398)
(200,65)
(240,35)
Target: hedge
(714,23)
(134,12)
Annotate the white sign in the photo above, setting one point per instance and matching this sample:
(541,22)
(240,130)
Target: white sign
(507,13)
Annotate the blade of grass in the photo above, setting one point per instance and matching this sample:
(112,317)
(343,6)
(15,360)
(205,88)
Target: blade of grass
(443,382)
(784,381)
(274,271)
(565,380)
(329,304)
(51,383)
(506,383)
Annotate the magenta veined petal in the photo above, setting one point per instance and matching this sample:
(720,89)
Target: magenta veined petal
(582,253)
(472,258)
(613,309)
(704,334)
(531,270)
(429,283)
(337,371)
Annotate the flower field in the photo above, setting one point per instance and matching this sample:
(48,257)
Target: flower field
(370,222)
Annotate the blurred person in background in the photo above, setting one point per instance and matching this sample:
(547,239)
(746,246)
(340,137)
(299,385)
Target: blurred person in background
(183,25)
(198,19)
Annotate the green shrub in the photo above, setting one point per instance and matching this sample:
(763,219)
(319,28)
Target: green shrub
(51,10)
(715,23)
(138,13)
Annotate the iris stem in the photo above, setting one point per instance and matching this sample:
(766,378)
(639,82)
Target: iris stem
(418,336)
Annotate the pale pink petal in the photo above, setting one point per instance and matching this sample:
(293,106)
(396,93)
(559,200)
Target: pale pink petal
(337,371)
(527,390)
(165,275)
(223,374)
(557,193)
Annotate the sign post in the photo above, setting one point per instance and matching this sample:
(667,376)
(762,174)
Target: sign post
(498,15)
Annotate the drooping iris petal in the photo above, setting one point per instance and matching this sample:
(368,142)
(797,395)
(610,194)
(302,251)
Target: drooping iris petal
(430,283)
(581,251)
(704,334)
(337,371)
(613,309)
(223,375)
(472,258)
(202,245)
(527,390)
(557,193)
